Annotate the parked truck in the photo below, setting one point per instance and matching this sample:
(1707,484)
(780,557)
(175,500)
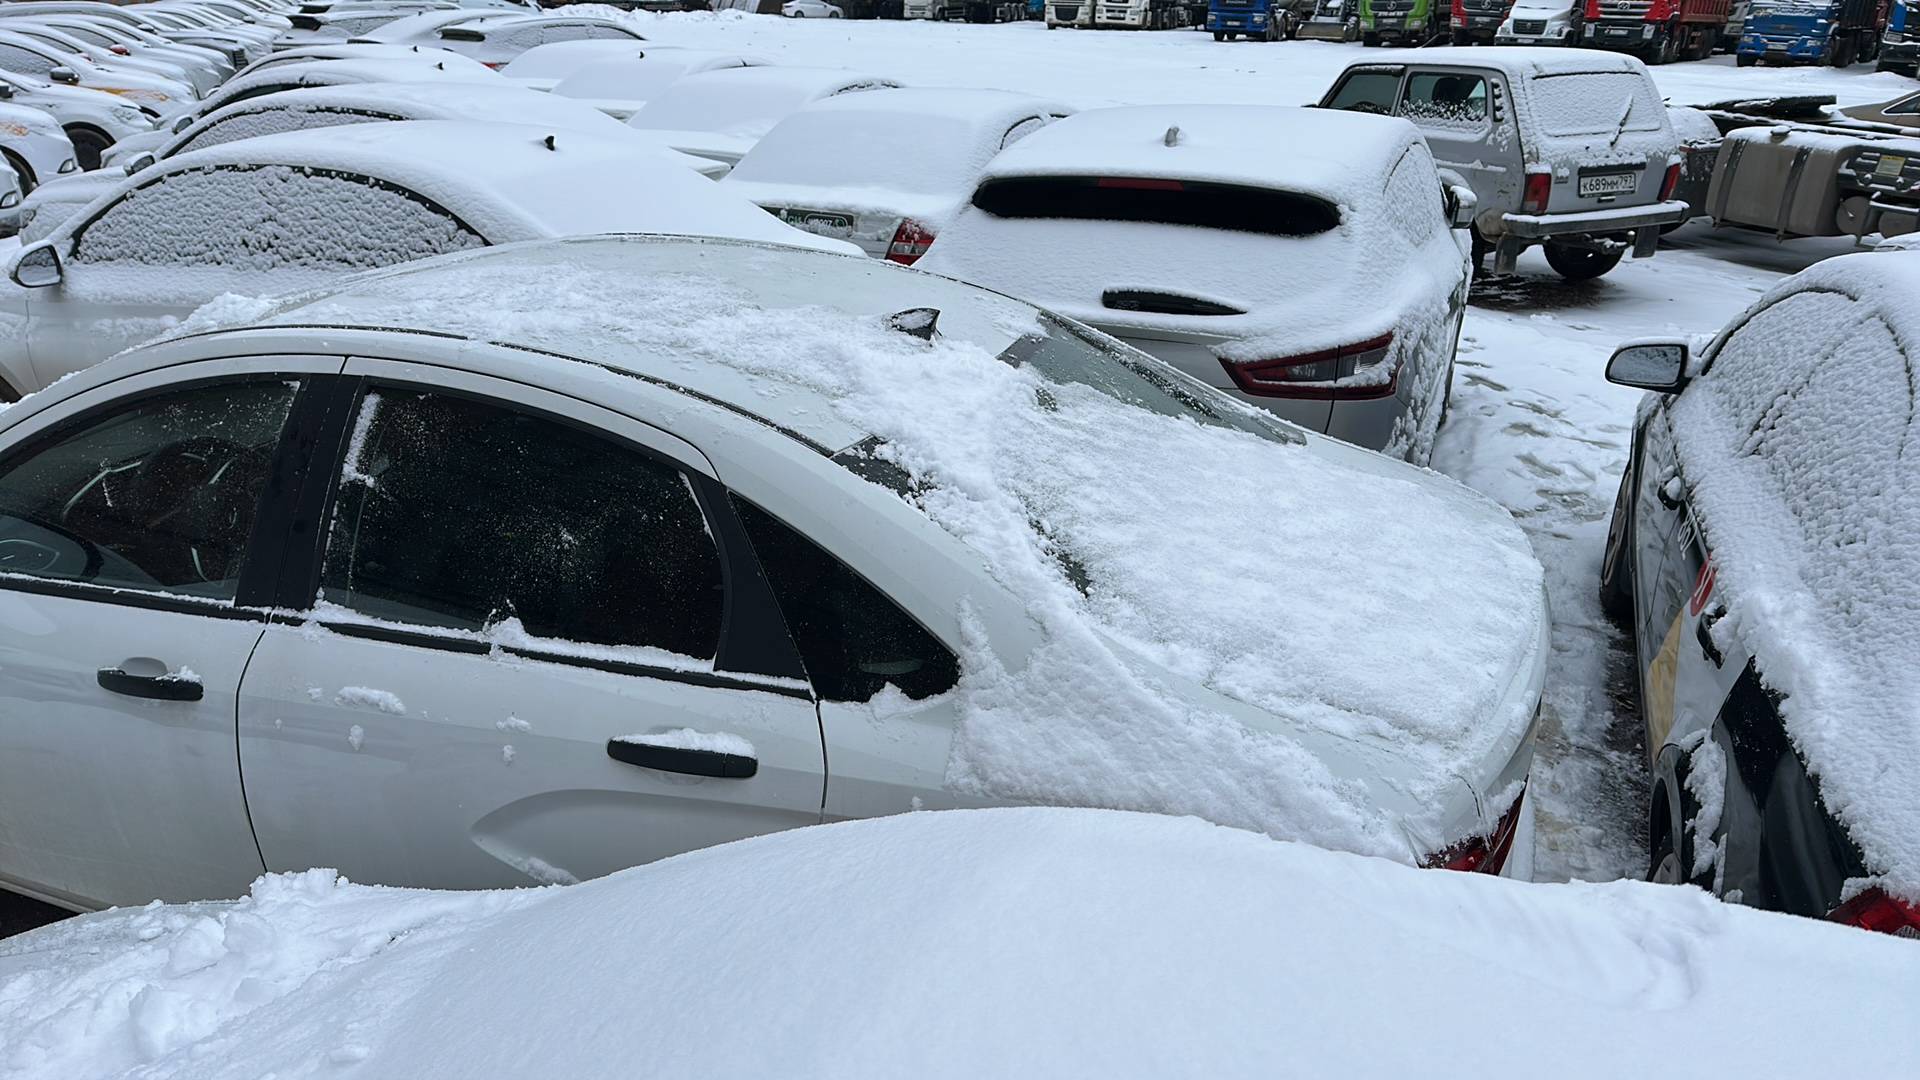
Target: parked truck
(1475,22)
(1397,22)
(1139,14)
(1331,20)
(1900,42)
(1832,32)
(993,11)
(1259,20)
(1657,31)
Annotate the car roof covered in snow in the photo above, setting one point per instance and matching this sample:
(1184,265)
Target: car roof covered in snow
(747,100)
(425,65)
(558,59)
(1794,446)
(1340,156)
(989,440)
(503,102)
(1515,61)
(504,181)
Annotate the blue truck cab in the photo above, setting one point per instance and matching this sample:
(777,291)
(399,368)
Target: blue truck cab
(1834,32)
(1900,44)
(1261,20)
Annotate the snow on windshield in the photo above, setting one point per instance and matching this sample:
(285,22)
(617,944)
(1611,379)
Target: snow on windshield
(1794,448)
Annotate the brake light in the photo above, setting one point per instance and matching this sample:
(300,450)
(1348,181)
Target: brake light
(1875,910)
(1593,10)
(494,65)
(1460,12)
(910,241)
(1671,181)
(1539,187)
(1314,375)
(119,50)
(1482,854)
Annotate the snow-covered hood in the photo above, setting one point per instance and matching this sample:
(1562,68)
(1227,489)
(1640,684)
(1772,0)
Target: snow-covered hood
(1796,458)
(1201,543)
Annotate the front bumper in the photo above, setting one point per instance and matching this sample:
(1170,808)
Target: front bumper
(1396,26)
(1243,24)
(1619,35)
(1641,223)
(1902,55)
(1777,48)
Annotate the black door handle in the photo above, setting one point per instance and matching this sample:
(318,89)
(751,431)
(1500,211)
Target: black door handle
(1703,632)
(167,687)
(676,759)
(1669,499)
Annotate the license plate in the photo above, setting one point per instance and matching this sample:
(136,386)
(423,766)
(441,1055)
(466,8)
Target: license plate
(1890,165)
(818,221)
(1610,183)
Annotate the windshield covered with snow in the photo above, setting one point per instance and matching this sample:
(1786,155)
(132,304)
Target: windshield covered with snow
(1594,102)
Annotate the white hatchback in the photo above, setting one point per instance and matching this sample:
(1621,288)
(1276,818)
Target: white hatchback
(531,564)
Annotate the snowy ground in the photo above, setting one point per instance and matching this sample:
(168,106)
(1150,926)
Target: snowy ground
(1533,424)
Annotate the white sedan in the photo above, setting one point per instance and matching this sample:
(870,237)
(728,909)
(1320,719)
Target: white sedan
(531,564)
(810,9)
(301,207)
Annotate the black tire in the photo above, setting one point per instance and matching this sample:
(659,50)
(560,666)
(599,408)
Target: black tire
(1460,38)
(21,169)
(1370,40)
(1846,54)
(1581,264)
(1745,60)
(1663,844)
(89,143)
(1616,559)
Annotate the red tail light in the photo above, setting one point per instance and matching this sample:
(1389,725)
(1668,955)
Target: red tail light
(496,65)
(910,241)
(1875,910)
(1482,854)
(1459,12)
(1313,375)
(1672,181)
(1539,187)
(1593,10)
(119,50)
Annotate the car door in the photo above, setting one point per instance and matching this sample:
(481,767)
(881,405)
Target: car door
(135,538)
(541,651)
(1468,122)
(168,244)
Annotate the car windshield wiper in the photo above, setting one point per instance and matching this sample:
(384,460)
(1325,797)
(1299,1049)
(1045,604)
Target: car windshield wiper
(1620,128)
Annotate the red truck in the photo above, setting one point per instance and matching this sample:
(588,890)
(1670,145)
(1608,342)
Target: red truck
(1657,31)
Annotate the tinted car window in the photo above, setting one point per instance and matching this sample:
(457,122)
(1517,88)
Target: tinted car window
(1367,91)
(269,218)
(159,495)
(271,122)
(465,514)
(854,641)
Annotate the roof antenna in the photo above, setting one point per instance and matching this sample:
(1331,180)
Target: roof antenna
(920,322)
(548,141)
(440,65)
(1173,136)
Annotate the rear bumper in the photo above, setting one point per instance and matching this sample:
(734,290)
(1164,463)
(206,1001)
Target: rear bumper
(1639,223)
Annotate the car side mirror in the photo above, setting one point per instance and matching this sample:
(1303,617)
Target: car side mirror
(1660,366)
(6,91)
(183,123)
(139,161)
(64,75)
(37,267)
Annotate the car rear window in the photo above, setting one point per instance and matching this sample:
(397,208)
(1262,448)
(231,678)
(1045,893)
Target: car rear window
(1593,103)
(1207,205)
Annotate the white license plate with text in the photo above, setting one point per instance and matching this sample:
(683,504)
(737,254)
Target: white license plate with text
(1619,183)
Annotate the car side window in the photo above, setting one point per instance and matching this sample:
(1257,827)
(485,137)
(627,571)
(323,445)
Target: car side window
(25,61)
(271,122)
(854,641)
(270,218)
(1445,99)
(471,515)
(157,495)
(1368,92)
(1412,196)
(583,32)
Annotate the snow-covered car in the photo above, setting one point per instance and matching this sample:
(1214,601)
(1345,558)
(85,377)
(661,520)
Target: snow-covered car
(123,60)
(204,67)
(10,197)
(30,56)
(621,86)
(495,42)
(282,212)
(420,29)
(721,114)
(887,170)
(361,50)
(185,24)
(1569,149)
(627,538)
(274,79)
(810,9)
(1765,554)
(1542,22)
(345,21)
(49,207)
(543,66)
(1901,112)
(93,120)
(1326,283)
(33,144)
(1091,945)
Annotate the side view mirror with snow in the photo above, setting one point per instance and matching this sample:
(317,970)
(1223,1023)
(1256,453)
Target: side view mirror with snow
(139,161)
(183,123)
(37,267)
(64,75)
(1457,199)
(6,91)
(1660,366)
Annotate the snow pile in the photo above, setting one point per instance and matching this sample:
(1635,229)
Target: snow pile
(746,101)
(1793,446)
(959,944)
(1360,602)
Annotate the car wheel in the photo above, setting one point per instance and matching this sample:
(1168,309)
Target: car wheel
(1370,41)
(1671,859)
(1219,36)
(1616,561)
(1581,264)
(89,144)
(1745,60)
(22,170)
